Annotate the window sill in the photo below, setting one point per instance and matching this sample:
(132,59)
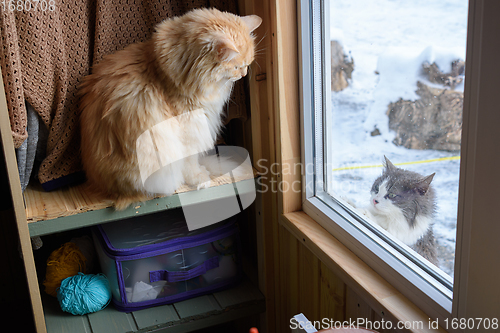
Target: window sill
(377,292)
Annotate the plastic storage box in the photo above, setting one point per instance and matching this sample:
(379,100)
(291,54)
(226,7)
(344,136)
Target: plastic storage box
(156,260)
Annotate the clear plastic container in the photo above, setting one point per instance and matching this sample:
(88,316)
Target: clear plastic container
(156,260)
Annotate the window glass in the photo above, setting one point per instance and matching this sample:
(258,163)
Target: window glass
(396,81)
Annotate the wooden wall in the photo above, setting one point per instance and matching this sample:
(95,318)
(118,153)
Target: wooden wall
(308,286)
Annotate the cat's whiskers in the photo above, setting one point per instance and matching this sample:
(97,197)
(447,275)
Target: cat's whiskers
(260,41)
(260,53)
(264,36)
(260,68)
(261,50)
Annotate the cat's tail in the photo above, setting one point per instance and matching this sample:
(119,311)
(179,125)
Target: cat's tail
(118,201)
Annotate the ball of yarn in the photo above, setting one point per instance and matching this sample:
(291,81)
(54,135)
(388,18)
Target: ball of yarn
(64,262)
(84,293)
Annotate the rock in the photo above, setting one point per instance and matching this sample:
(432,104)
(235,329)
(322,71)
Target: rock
(342,67)
(432,122)
(451,79)
(375,132)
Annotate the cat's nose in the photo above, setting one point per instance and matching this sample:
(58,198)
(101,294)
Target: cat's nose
(375,201)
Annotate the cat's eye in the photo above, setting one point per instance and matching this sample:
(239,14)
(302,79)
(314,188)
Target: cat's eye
(375,189)
(391,195)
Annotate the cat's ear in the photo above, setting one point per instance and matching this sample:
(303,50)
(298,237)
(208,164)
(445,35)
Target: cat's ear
(422,186)
(388,164)
(226,50)
(251,21)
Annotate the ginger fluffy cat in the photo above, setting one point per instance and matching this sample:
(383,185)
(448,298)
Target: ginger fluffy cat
(181,78)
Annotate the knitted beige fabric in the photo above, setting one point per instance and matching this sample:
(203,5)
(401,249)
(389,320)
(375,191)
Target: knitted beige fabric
(45,54)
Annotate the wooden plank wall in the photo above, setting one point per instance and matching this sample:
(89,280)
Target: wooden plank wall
(308,286)
(264,155)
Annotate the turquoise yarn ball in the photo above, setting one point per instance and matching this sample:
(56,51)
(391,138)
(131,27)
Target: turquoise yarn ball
(84,293)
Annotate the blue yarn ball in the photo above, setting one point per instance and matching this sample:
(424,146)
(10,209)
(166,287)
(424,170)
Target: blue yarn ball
(84,293)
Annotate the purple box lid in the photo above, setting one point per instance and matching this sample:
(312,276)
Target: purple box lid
(156,231)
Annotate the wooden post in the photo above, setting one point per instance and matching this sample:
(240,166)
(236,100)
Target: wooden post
(20,214)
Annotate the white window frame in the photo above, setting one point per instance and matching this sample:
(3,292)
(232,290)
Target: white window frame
(426,290)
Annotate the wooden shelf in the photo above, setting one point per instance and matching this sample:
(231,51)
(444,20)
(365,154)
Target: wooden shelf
(240,301)
(73,207)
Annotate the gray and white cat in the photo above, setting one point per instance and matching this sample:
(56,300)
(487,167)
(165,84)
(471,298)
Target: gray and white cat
(403,203)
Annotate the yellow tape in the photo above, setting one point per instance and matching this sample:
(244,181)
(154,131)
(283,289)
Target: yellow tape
(403,163)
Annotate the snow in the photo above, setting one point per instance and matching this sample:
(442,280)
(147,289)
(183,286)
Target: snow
(389,40)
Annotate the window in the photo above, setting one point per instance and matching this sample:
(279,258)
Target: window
(372,73)
(397,91)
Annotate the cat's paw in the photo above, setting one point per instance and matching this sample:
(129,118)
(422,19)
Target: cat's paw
(201,179)
(366,213)
(203,185)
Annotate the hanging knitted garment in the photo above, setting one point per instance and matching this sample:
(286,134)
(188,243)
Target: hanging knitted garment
(45,54)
